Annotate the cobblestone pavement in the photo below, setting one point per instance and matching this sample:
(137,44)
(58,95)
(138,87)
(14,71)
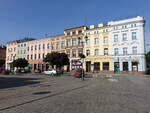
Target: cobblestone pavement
(65,94)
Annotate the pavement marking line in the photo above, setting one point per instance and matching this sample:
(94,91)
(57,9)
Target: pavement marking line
(38,99)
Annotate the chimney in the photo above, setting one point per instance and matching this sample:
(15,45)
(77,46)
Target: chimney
(92,26)
(109,23)
(100,25)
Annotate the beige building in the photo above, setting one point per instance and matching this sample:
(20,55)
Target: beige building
(98,49)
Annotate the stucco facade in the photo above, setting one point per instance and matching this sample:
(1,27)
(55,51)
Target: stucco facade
(128,44)
(98,49)
(115,45)
(10,54)
(74,44)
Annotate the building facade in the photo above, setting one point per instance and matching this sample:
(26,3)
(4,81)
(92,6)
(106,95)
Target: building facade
(10,54)
(98,49)
(74,38)
(128,45)
(22,50)
(38,49)
(115,45)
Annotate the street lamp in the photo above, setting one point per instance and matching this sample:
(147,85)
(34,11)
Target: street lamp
(82,56)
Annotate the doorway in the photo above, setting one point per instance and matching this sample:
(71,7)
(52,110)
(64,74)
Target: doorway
(125,66)
(88,66)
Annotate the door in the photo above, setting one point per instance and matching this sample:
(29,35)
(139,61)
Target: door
(125,66)
(88,66)
(105,66)
(96,66)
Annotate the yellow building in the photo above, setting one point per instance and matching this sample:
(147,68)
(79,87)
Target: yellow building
(98,49)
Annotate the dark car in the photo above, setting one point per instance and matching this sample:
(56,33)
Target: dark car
(77,73)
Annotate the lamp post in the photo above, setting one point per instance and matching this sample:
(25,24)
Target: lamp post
(82,56)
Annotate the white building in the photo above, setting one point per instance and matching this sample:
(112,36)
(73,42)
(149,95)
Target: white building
(128,48)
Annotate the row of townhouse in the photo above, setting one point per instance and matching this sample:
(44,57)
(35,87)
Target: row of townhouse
(118,44)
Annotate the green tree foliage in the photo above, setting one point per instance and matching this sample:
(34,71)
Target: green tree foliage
(2,62)
(20,62)
(148,59)
(58,59)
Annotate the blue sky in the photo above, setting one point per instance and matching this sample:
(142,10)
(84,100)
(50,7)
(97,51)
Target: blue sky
(35,18)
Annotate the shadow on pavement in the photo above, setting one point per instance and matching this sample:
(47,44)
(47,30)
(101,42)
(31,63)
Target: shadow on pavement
(11,82)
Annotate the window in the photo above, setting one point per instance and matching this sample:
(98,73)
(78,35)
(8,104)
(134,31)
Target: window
(52,46)
(28,57)
(68,33)
(35,56)
(134,36)
(134,50)
(35,47)
(96,41)
(31,48)
(39,56)
(31,57)
(124,36)
(105,66)
(125,52)
(43,55)
(39,46)
(68,53)
(115,38)
(116,52)
(68,43)
(73,32)
(43,46)
(87,52)
(62,45)
(57,45)
(73,53)
(79,41)
(105,51)
(96,52)
(73,42)
(134,25)
(105,40)
(88,42)
(48,46)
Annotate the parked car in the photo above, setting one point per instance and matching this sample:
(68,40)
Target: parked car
(50,72)
(77,73)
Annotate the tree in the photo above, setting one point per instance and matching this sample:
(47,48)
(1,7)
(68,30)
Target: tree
(20,62)
(148,59)
(2,62)
(58,59)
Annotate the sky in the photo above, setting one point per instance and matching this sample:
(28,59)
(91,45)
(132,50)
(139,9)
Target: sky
(35,18)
